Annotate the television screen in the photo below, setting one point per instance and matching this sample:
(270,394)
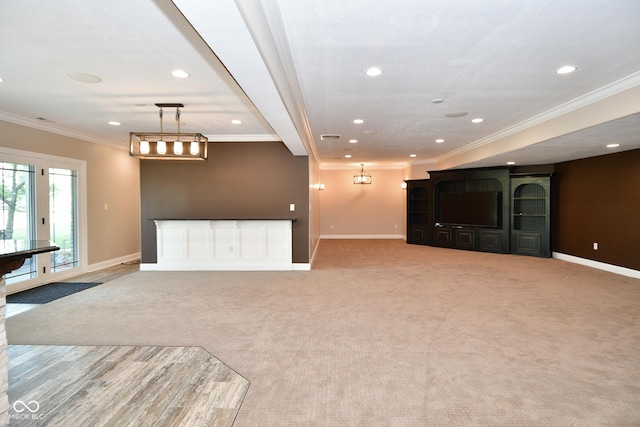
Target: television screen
(480,209)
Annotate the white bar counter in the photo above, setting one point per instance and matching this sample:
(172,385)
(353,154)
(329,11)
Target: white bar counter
(223,244)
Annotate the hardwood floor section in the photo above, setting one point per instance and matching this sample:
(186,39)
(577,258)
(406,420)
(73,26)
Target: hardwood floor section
(107,274)
(121,385)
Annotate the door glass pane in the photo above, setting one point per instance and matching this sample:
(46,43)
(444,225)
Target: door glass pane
(18,212)
(63,217)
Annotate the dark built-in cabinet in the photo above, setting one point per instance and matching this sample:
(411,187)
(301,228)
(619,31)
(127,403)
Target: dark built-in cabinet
(531,215)
(419,211)
(489,210)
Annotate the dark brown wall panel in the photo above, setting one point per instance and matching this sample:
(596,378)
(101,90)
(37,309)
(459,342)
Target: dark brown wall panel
(241,180)
(597,200)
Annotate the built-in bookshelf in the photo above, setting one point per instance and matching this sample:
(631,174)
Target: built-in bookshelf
(501,210)
(531,215)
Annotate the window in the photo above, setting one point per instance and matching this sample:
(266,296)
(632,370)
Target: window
(42,199)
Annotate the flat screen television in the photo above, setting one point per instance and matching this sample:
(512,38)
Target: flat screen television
(480,209)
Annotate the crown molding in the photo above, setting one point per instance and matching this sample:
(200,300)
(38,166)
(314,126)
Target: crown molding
(368,166)
(244,138)
(48,127)
(614,88)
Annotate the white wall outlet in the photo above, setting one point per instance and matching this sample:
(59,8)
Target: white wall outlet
(292,207)
(595,246)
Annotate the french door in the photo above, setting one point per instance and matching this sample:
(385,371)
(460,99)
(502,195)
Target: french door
(42,199)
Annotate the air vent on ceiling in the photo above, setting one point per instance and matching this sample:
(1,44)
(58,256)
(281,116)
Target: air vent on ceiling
(330,136)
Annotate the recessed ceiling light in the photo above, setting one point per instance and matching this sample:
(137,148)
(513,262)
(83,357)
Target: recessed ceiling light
(358,121)
(114,123)
(439,141)
(457,114)
(236,122)
(180,74)
(437,101)
(1,79)
(566,69)
(373,72)
(477,120)
(412,155)
(511,163)
(347,156)
(353,141)
(613,145)
(84,77)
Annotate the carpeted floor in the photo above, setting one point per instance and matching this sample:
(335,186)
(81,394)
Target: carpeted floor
(387,334)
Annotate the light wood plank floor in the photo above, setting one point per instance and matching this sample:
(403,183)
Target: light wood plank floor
(121,385)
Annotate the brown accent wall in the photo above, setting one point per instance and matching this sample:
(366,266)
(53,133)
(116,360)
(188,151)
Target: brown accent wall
(242,180)
(598,200)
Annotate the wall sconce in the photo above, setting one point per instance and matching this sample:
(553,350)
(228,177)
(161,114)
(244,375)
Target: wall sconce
(362,178)
(168,146)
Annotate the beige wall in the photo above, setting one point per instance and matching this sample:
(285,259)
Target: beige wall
(348,210)
(418,171)
(112,179)
(314,206)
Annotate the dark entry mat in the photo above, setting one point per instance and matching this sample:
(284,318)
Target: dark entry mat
(47,293)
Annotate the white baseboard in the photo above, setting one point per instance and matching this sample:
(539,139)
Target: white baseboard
(362,236)
(229,267)
(113,261)
(315,252)
(599,265)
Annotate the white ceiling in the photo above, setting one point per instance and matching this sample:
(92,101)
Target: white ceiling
(293,70)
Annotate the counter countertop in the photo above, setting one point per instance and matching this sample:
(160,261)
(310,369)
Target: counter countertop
(221,219)
(14,249)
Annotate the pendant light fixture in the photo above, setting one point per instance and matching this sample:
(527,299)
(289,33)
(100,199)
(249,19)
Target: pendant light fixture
(361,177)
(168,146)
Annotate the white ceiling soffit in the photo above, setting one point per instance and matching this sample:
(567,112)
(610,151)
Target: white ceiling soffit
(613,106)
(222,26)
(611,137)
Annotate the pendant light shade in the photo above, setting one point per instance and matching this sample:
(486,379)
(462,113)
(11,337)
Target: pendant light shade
(361,177)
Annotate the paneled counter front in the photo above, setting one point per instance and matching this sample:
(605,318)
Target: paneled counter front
(223,244)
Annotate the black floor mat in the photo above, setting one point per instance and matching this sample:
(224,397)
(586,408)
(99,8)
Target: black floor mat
(47,293)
